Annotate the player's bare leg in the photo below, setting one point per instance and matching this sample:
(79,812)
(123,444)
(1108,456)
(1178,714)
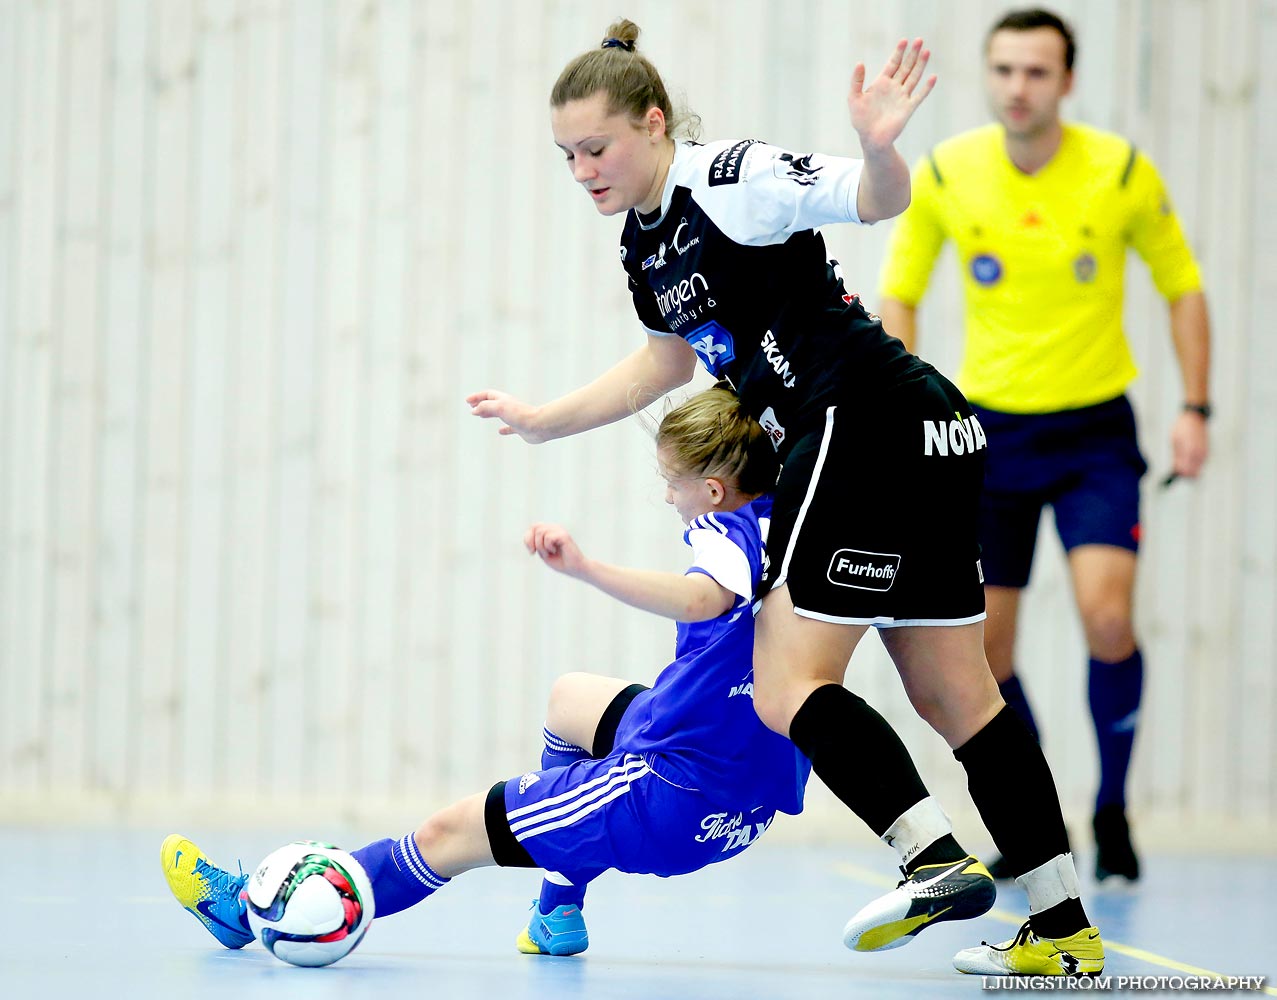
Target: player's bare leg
(799,664)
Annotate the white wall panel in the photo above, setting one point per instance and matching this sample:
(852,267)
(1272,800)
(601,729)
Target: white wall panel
(204,689)
(38,165)
(251,541)
(305,40)
(1252,652)
(121,336)
(254,254)
(159,714)
(9,258)
(379,654)
(78,305)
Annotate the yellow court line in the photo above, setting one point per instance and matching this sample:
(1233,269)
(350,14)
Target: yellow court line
(871,877)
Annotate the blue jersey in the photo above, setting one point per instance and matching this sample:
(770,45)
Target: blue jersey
(697,727)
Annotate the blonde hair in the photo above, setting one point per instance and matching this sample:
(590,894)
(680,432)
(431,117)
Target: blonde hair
(630,81)
(711,435)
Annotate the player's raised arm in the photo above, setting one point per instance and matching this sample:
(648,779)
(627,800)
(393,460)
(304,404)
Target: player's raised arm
(879,114)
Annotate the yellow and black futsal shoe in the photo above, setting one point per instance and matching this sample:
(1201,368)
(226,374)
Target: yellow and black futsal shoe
(1026,954)
(955,890)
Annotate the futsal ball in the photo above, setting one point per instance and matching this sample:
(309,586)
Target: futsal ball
(309,903)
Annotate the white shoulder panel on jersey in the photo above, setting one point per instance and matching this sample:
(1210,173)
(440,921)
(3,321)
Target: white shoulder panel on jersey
(715,554)
(759,194)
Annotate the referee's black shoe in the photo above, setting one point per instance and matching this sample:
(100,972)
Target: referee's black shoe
(1114,852)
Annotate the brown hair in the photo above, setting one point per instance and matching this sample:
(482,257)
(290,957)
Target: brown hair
(630,81)
(711,435)
(1033,18)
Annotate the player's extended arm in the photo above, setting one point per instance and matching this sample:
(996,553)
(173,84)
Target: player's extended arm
(662,364)
(1190,330)
(879,114)
(691,598)
(899,320)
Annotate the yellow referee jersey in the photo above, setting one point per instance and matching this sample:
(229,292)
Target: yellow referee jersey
(1043,261)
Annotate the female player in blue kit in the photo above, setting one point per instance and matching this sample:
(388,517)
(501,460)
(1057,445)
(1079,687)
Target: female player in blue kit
(662,780)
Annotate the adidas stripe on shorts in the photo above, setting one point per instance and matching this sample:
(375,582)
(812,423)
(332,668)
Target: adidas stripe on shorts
(614,812)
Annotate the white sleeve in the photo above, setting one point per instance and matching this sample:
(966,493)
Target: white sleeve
(759,194)
(715,554)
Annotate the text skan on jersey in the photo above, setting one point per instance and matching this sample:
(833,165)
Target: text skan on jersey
(732,264)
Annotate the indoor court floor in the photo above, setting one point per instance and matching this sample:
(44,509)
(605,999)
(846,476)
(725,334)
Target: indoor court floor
(87,913)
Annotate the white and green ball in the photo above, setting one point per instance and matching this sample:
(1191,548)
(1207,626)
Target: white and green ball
(309,903)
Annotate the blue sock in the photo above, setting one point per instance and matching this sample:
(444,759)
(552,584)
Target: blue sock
(400,876)
(1013,695)
(556,894)
(559,752)
(1114,693)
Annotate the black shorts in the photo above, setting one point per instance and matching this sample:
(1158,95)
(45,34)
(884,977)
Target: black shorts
(876,513)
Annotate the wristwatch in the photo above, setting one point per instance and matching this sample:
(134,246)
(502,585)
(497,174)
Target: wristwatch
(1203,410)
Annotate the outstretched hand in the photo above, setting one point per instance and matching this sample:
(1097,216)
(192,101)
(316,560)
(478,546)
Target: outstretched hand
(880,111)
(556,548)
(516,416)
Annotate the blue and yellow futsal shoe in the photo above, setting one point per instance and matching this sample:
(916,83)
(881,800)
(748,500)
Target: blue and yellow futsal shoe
(212,894)
(1026,954)
(559,932)
(955,890)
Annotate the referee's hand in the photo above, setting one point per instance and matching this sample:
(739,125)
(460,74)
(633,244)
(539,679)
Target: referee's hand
(1189,445)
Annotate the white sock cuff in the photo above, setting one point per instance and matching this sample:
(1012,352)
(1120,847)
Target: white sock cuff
(1051,883)
(917,828)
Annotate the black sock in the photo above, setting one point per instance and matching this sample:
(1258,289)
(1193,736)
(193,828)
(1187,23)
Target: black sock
(858,755)
(944,850)
(1060,920)
(1012,787)
(1012,692)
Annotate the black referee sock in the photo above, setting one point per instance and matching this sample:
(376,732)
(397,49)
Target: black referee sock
(858,755)
(1012,786)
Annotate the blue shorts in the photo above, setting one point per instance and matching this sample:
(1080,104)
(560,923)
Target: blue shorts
(1085,463)
(614,812)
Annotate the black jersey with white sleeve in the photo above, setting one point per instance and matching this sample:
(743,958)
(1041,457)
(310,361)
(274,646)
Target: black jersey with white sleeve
(732,264)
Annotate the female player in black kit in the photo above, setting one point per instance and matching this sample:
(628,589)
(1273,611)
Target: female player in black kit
(875,515)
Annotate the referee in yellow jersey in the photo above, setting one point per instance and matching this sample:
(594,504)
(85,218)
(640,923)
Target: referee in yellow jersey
(1041,213)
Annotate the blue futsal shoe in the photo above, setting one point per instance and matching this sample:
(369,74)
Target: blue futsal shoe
(559,932)
(212,894)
